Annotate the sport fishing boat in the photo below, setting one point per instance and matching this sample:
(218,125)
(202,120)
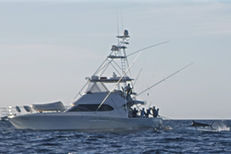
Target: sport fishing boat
(97,107)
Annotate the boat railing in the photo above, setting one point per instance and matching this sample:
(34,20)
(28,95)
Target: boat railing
(20,110)
(4,112)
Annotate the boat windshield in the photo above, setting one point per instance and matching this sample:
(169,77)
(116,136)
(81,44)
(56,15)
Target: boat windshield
(90,107)
(94,87)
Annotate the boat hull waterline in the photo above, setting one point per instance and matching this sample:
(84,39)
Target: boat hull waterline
(84,123)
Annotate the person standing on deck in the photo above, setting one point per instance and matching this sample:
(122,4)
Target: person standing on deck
(154,112)
(134,112)
(142,113)
(128,89)
(148,112)
(157,112)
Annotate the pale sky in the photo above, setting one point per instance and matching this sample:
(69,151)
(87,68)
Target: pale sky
(47,48)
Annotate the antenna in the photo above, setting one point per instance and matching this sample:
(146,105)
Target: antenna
(122,24)
(118,30)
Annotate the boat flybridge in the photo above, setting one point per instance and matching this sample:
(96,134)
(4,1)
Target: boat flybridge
(97,108)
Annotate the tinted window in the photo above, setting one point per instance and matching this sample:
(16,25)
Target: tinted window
(90,107)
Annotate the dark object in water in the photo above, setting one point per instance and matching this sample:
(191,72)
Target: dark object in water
(199,124)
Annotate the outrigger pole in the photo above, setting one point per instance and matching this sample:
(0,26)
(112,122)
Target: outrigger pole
(171,75)
(148,47)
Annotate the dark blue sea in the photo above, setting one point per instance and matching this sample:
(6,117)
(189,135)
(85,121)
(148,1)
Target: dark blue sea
(176,137)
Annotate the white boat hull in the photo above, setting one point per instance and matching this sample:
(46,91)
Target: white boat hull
(59,121)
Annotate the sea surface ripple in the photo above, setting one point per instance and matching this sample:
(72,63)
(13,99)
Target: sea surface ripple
(181,138)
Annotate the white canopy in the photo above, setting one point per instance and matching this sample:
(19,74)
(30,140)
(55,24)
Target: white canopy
(56,106)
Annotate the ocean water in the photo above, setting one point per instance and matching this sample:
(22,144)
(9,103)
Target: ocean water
(176,137)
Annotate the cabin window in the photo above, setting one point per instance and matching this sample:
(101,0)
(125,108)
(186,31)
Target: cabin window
(90,107)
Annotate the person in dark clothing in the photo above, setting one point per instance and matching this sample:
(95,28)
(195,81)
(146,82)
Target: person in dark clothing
(147,112)
(142,113)
(128,89)
(155,112)
(134,112)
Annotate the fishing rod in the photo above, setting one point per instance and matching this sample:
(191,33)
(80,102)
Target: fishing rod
(148,47)
(138,75)
(164,79)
